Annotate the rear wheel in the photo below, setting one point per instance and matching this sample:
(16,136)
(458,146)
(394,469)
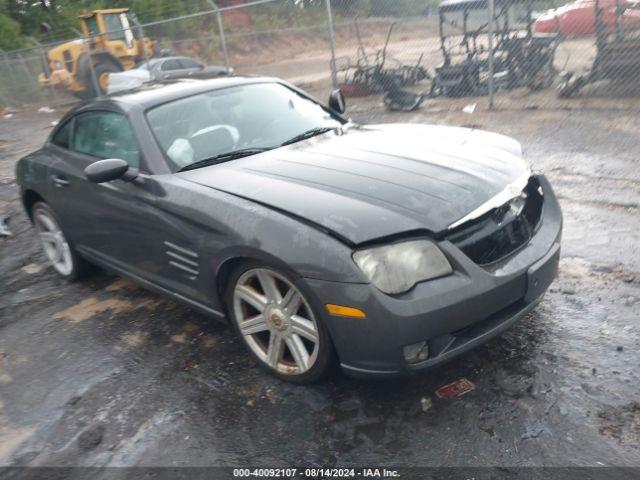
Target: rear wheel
(59,252)
(278,324)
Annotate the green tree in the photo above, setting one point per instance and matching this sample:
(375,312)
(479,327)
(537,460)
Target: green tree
(10,36)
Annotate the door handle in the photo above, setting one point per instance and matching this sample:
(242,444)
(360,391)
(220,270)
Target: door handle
(60,181)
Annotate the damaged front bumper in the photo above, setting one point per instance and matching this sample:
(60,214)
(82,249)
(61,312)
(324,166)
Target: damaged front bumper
(452,314)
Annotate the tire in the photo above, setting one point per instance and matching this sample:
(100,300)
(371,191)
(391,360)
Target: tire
(290,340)
(53,241)
(102,71)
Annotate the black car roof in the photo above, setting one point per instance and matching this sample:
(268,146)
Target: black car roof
(154,94)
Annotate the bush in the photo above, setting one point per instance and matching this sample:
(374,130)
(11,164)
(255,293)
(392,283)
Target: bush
(10,36)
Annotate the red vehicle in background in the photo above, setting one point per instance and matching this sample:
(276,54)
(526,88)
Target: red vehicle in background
(578,18)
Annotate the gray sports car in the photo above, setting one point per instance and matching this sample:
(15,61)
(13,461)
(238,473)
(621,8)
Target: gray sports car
(386,248)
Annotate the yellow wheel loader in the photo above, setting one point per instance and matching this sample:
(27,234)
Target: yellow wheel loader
(109,44)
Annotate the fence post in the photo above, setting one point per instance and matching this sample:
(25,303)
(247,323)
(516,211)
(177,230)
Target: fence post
(43,56)
(4,99)
(490,29)
(223,40)
(94,79)
(332,47)
(28,73)
(12,80)
(141,40)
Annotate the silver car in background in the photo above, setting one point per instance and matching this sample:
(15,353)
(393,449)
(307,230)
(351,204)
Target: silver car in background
(164,68)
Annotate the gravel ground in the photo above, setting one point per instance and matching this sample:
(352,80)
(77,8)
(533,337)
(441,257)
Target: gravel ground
(103,372)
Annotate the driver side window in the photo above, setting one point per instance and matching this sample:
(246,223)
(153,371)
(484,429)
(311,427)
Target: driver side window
(104,134)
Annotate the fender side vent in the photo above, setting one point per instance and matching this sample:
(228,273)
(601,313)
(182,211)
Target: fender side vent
(183,259)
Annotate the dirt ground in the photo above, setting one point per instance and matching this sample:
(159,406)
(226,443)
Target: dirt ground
(103,372)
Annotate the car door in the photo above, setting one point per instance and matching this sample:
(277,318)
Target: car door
(116,222)
(55,191)
(191,68)
(69,186)
(172,68)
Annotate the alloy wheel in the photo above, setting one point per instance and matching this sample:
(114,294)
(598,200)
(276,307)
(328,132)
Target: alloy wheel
(53,241)
(276,321)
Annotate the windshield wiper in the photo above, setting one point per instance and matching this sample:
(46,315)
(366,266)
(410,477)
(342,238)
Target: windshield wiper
(245,152)
(223,157)
(308,134)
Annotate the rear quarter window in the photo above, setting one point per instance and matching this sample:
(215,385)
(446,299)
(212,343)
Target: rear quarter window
(62,136)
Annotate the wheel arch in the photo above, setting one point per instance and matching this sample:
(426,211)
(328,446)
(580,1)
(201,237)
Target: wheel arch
(233,260)
(97,58)
(29,198)
(107,57)
(222,279)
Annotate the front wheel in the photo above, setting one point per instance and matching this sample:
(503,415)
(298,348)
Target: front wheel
(278,323)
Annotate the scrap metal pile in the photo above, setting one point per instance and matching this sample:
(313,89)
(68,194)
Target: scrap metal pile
(521,58)
(380,72)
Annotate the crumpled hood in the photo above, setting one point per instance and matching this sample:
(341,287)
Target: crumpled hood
(377,180)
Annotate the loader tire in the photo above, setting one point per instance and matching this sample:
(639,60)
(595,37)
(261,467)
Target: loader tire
(102,71)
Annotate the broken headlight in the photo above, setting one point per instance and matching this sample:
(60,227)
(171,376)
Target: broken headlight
(398,267)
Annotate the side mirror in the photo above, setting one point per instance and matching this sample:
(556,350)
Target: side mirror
(336,101)
(110,169)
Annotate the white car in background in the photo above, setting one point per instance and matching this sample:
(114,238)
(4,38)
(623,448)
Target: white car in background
(164,68)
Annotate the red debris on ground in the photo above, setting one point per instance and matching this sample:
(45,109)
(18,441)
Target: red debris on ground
(455,389)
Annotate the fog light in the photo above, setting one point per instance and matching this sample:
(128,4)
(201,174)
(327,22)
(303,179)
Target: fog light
(416,352)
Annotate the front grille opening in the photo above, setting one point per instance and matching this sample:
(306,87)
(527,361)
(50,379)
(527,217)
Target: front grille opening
(503,230)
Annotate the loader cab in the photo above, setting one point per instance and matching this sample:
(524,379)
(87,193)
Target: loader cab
(111,26)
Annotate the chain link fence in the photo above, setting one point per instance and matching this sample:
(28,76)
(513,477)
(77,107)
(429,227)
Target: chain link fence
(401,54)
(501,54)
(267,38)
(19,72)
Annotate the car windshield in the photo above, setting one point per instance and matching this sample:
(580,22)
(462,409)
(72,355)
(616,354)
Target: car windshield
(245,118)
